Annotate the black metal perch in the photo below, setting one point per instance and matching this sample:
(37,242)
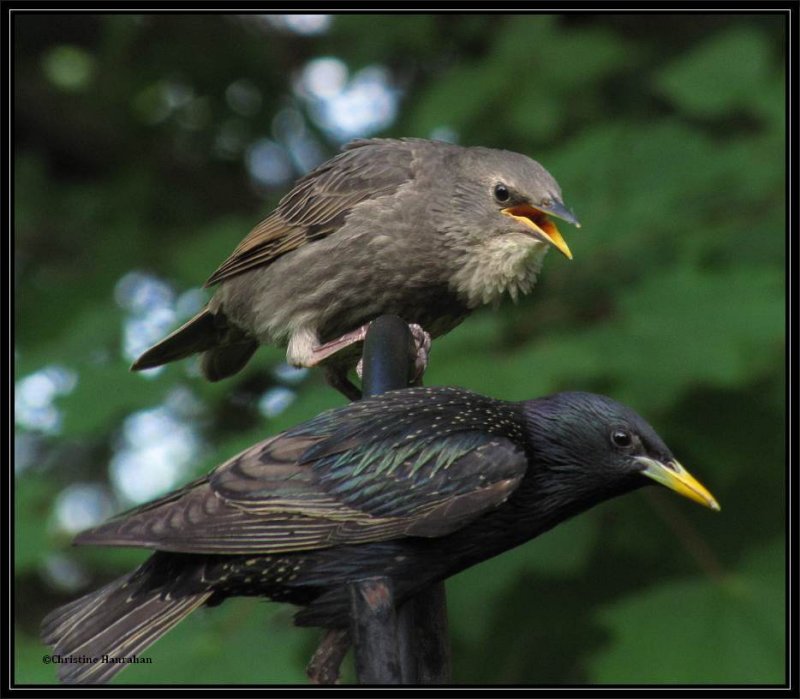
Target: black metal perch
(409,644)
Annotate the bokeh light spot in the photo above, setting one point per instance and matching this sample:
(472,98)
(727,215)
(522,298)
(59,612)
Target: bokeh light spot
(82,505)
(35,395)
(68,67)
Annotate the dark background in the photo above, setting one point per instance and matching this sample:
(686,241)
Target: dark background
(148,146)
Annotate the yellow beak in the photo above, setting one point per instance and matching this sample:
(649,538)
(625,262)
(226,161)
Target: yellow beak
(540,224)
(677,478)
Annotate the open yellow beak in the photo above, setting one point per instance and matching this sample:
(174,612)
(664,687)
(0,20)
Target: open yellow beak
(677,478)
(541,226)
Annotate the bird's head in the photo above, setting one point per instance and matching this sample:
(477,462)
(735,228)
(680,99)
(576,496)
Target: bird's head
(591,445)
(508,194)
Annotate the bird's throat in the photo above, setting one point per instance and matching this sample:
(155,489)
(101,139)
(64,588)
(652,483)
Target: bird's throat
(498,265)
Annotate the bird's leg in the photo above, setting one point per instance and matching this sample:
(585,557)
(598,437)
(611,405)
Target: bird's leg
(303,352)
(323,668)
(336,376)
(320,353)
(422,347)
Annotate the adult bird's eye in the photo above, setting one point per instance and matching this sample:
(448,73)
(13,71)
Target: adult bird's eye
(501,193)
(621,438)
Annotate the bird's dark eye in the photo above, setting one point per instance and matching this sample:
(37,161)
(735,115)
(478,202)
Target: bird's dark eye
(621,438)
(501,193)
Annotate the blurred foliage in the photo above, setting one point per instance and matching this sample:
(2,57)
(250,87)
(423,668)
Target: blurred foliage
(667,135)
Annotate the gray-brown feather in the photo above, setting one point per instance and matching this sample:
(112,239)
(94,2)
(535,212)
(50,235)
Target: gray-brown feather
(406,227)
(198,334)
(320,202)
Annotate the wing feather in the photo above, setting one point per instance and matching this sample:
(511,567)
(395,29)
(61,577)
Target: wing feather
(342,479)
(319,202)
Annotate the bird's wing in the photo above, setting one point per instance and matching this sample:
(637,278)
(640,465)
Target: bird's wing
(319,203)
(352,475)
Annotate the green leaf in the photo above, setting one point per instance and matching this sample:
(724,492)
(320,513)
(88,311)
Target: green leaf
(211,244)
(33,499)
(720,328)
(29,667)
(664,635)
(720,75)
(475,596)
(716,329)
(266,649)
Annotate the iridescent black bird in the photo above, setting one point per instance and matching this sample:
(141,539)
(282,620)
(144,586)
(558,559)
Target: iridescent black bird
(415,484)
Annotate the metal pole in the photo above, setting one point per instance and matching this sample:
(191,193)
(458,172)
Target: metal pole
(386,364)
(424,639)
(374,631)
(411,646)
(387,356)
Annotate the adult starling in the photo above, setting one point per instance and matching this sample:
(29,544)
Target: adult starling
(421,229)
(415,484)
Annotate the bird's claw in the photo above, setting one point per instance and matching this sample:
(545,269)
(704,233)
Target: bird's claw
(422,345)
(422,348)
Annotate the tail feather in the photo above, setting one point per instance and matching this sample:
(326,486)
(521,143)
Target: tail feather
(225,348)
(113,623)
(198,334)
(226,360)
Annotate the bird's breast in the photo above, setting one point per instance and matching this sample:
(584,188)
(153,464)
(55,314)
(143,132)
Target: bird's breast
(498,265)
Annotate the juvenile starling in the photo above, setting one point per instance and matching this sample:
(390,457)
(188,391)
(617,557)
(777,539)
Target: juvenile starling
(415,484)
(421,229)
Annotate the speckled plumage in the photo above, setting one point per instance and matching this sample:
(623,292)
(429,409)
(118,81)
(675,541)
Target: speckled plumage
(405,227)
(415,484)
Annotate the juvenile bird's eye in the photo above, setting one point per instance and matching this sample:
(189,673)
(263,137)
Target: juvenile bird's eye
(621,438)
(501,193)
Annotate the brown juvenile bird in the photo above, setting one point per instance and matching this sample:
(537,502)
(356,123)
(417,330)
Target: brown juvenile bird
(425,230)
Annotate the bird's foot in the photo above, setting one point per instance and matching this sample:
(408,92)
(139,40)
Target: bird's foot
(337,376)
(422,348)
(422,344)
